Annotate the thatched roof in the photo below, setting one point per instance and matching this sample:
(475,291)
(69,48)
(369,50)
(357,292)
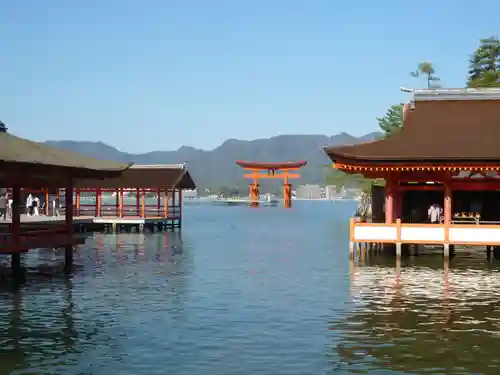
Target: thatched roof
(28,157)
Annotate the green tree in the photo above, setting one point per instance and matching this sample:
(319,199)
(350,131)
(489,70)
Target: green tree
(426,69)
(484,65)
(392,121)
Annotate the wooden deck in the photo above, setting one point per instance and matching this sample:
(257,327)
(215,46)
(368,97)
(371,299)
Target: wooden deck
(31,225)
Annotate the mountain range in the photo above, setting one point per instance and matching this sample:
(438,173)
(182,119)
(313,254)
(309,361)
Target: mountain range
(216,168)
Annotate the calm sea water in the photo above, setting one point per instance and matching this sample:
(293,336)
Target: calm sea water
(253,291)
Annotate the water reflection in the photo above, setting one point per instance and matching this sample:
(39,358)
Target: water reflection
(52,325)
(422,314)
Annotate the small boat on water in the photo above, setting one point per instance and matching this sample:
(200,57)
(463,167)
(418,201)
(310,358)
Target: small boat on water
(265,201)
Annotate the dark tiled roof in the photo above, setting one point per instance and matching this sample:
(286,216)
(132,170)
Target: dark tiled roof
(144,176)
(435,131)
(15,150)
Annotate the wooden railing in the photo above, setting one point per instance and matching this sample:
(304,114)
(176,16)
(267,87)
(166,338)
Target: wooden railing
(446,234)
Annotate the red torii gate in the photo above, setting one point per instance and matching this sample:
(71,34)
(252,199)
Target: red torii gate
(268,170)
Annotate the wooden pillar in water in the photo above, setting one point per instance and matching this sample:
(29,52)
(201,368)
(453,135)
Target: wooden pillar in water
(254,194)
(68,202)
(180,208)
(120,193)
(98,202)
(389,202)
(17,272)
(447,218)
(143,203)
(287,194)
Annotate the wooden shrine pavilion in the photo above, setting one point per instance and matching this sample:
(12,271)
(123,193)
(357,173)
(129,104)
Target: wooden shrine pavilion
(31,165)
(143,195)
(447,156)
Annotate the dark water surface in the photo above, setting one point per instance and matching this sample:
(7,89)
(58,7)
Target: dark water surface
(246,291)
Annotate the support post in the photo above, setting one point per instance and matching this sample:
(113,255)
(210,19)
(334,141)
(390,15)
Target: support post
(398,237)
(447,218)
(180,208)
(47,203)
(351,237)
(77,202)
(143,203)
(68,203)
(389,208)
(121,202)
(254,193)
(16,234)
(98,202)
(287,194)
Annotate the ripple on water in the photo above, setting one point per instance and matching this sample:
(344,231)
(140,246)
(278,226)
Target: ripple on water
(252,291)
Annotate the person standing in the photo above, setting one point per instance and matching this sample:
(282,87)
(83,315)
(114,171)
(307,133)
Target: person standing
(434,213)
(29,204)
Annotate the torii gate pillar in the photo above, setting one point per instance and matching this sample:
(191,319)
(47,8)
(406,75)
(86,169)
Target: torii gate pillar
(286,171)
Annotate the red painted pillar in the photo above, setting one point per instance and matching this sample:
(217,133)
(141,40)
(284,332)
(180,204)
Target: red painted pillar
(98,202)
(180,208)
(447,204)
(389,201)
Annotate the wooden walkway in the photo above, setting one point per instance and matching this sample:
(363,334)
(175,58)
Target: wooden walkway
(90,223)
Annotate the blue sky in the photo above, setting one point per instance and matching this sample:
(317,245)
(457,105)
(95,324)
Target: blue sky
(157,74)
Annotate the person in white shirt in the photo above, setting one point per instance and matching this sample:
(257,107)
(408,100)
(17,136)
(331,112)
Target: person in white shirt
(434,214)
(29,204)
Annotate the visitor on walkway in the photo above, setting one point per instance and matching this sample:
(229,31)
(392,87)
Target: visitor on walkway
(434,214)
(29,205)
(36,206)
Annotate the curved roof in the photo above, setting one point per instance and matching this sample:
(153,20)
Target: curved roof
(21,154)
(144,176)
(260,165)
(442,131)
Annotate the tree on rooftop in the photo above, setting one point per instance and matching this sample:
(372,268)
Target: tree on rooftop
(392,121)
(484,65)
(426,69)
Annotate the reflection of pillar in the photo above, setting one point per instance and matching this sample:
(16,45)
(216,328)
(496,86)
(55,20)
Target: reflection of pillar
(287,195)
(254,194)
